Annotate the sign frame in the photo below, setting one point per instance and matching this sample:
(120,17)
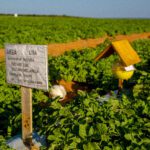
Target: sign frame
(27,65)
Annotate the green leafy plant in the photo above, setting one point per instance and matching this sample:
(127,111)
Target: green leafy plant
(90,120)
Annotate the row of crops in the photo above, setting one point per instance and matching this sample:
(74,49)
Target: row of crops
(89,121)
(45,30)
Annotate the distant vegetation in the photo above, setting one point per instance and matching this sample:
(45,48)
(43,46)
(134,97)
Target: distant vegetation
(52,29)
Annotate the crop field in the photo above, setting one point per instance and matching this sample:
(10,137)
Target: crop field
(45,30)
(89,120)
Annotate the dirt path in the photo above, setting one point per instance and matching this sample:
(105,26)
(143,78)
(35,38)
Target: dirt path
(59,48)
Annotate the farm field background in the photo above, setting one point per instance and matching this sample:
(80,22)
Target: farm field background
(88,121)
(45,30)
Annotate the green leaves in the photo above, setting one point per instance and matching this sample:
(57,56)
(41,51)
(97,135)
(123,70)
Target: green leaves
(3,144)
(91,146)
(128,136)
(87,122)
(43,30)
(82,130)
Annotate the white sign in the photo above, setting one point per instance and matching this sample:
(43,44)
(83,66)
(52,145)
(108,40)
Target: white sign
(129,68)
(27,65)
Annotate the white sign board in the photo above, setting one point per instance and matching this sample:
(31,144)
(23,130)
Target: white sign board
(27,65)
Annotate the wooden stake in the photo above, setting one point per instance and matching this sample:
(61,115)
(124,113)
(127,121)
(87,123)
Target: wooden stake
(26,95)
(120,84)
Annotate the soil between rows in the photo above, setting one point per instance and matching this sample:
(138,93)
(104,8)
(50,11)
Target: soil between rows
(57,49)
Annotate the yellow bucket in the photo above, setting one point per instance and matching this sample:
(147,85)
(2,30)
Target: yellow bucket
(119,71)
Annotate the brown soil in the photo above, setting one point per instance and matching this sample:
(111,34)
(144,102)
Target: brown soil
(59,48)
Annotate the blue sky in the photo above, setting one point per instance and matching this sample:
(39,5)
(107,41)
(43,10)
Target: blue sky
(84,8)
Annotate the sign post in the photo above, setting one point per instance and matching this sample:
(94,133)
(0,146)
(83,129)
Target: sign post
(27,65)
(26,102)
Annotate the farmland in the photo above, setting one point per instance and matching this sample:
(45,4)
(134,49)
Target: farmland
(45,30)
(89,120)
